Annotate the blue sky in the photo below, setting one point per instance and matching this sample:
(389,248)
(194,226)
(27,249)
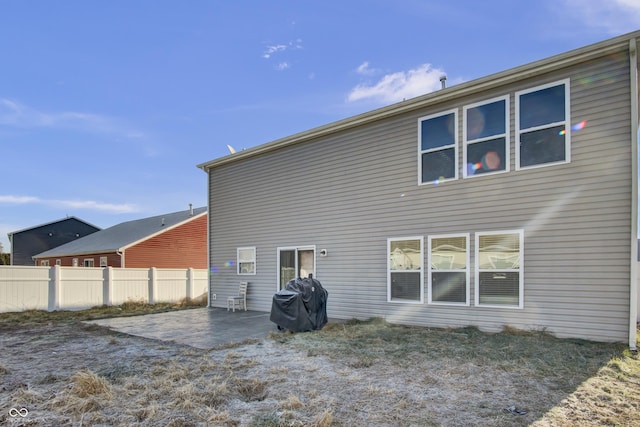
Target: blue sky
(106,107)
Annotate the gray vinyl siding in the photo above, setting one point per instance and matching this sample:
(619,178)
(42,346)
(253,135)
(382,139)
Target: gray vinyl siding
(348,192)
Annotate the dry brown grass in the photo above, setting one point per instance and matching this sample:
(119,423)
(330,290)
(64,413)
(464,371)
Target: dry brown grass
(87,383)
(128,308)
(348,374)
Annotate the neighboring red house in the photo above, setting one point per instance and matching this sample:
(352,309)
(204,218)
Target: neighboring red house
(174,240)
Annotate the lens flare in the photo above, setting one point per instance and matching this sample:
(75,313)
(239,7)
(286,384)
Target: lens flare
(575,127)
(229,263)
(490,161)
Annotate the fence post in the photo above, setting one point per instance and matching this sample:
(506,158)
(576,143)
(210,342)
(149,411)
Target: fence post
(153,285)
(107,286)
(54,288)
(190,282)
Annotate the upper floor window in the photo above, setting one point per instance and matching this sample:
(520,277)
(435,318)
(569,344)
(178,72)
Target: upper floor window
(543,136)
(486,137)
(437,139)
(246,260)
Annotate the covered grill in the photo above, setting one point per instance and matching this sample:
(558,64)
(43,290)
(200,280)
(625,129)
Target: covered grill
(301,306)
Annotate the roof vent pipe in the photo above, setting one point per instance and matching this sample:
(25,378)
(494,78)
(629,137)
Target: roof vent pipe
(191,209)
(443,80)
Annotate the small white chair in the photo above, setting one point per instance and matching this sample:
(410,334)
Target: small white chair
(240,300)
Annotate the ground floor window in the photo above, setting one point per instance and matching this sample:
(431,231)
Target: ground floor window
(103,261)
(449,269)
(246,260)
(498,276)
(88,262)
(405,269)
(44,263)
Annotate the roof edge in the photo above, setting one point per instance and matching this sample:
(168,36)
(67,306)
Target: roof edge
(11,233)
(72,254)
(531,69)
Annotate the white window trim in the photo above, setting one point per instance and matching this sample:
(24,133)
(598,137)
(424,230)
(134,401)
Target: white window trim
(506,135)
(466,271)
(455,146)
(106,261)
(91,261)
(421,271)
(44,263)
(295,248)
(567,123)
(254,260)
(520,270)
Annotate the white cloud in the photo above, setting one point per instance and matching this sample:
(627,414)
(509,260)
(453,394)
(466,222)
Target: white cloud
(18,200)
(18,115)
(95,206)
(365,70)
(614,16)
(395,87)
(282,66)
(273,49)
(75,204)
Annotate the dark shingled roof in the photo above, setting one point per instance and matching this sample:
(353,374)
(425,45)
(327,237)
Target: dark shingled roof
(122,235)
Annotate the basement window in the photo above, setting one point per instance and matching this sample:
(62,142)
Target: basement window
(437,144)
(405,271)
(542,125)
(499,276)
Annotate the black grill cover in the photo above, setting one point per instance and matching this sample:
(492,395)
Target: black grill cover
(301,306)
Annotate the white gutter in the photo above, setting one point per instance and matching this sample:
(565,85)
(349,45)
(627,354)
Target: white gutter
(633,294)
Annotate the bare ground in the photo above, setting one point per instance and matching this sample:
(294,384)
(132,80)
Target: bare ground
(76,374)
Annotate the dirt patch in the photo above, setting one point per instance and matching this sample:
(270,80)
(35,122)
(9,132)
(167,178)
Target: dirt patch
(72,374)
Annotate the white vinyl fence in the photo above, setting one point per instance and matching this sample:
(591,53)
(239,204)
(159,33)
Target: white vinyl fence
(75,288)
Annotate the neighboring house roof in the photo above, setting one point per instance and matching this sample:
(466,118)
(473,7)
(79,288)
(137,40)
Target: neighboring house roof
(123,235)
(49,223)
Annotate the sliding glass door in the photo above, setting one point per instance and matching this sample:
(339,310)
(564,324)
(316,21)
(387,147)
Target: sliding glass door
(295,262)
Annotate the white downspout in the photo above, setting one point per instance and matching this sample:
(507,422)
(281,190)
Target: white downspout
(209,277)
(121,258)
(633,294)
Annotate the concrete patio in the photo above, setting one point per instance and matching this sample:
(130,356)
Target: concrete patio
(200,327)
